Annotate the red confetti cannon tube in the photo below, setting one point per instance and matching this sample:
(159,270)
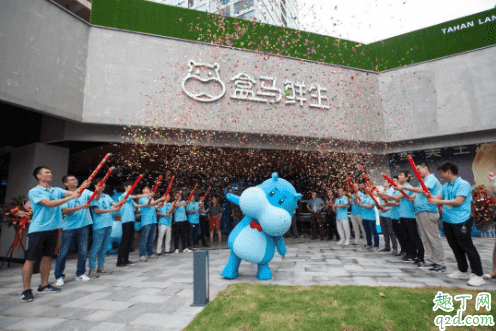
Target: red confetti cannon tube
(386,177)
(131,190)
(382,209)
(90,178)
(348,180)
(167,191)
(372,185)
(191,194)
(157,183)
(330,200)
(205,195)
(419,177)
(100,185)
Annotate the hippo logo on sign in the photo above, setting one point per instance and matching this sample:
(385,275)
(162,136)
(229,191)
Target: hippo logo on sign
(203,82)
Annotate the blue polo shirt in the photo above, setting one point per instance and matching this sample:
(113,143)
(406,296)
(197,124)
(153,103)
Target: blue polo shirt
(421,203)
(407,208)
(195,217)
(79,218)
(101,221)
(387,213)
(395,210)
(45,218)
(165,220)
(127,210)
(148,213)
(180,213)
(356,209)
(449,191)
(342,213)
(315,204)
(368,213)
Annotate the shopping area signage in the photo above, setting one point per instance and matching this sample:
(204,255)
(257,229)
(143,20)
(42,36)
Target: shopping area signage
(469,24)
(203,84)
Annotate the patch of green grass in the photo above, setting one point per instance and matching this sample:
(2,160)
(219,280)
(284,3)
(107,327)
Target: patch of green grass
(274,307)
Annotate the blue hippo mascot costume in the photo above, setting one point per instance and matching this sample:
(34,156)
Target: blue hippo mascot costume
(268,208)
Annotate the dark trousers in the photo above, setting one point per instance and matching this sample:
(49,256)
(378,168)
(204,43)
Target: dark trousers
(126,242)
(400,233)
(462,246)
(387,231)
(416,248)
(332,230)
(203,230)
(371,232)
(317,220)
(180,229)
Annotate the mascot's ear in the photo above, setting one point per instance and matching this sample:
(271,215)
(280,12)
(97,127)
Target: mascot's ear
(297,196)
(275,177)
(216,66)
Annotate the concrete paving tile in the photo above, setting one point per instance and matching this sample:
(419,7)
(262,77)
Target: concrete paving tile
(108,327)
(108,305)
(365,281)
(5,321)
(75,325)
(149,298)
(98,315)
(31,310)
(37,323)
(66,313)
(160,320)
(86,300)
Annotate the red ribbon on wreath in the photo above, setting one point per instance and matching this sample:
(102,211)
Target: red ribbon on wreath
(19,236)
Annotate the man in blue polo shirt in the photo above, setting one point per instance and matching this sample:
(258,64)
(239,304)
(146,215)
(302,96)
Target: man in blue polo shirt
(77,222)
(427,216)
(369,222)
(414,248)
(455,197)
(342,223)
(194,219)
(43,231)
(386,223)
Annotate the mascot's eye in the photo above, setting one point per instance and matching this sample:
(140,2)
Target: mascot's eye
(209,73)
(281,201)
(271,194)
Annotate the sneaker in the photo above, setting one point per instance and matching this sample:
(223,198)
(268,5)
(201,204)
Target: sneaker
(459,275)
(153,256)
(60,282)
(83,278)
(384,250)
(48,289)
(143,259)
(158,254)
(120,265)
(424,265)
(340,242)
(27,296)
(438,268)
(176,251)
(92,274)
(407,259)
(102,270)
(347,243)
(129,263)
(476,280)
(187,250)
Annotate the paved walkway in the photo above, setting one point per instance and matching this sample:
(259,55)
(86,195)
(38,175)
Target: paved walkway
(157,295)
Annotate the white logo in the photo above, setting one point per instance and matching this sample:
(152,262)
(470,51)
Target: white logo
(203,82)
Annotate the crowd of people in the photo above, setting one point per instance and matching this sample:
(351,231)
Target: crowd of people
(409,222)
